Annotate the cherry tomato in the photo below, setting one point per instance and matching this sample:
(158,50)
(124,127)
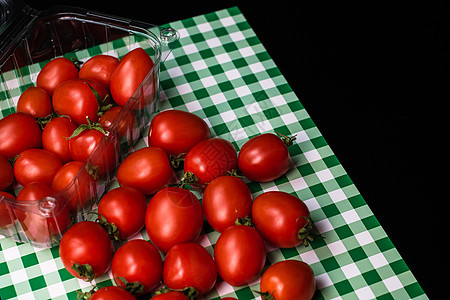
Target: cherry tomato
(36,165)
(138,264)
(56,72)
(282,219)
(99,67)
(7,173)
(170,295)
(86,243)
(6,212)
(18,131)
(189,265)
(264,158)
(210,159)
(35,101)
(55,137)
(111,293)
(226,199)
(177,131)
(127,126)
(125,208)
(289,279)
(129,74)
(147,169)
(174,215)
(240,255)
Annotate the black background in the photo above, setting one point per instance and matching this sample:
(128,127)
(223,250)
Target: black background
(368,73)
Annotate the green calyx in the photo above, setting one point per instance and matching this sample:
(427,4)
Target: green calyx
(111,228)
(247,221)
(88,126)
(134,288)
(287,140)
(84,271)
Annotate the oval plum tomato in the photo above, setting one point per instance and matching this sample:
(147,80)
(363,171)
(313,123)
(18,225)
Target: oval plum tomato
(6,212)
(36,102)
(86,250)
(170,295)
(125,208)
(127,126)
(137,267)
(210,159)
(129,74)
(174,215)
(189,265)
(240,255)
(56,72)
(177,131)
(226,199)
(18,131)
(282,219)
(36,165)
(147,169)
(44,221)
(7,174)
(111,293)
(264,158)
(55,137)
(99,67)
(288,279)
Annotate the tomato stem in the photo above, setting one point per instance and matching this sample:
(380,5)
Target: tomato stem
(85,271)
(287,140)
(189,291)
(83,127)
(111,228)
(247,221)
(189,181)
(175,161)
(135,288)
(305,234)
(266,295)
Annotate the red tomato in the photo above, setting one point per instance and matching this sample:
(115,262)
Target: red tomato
(100,68)
(44,221)
(55,137)
(210,159)
(240,255)
(177,131)
(282,219)
(129,74)
(189,265)
(18,131)
(125,208)
(147,169)
(6,212)
(56,72)
(111,293)
(289,279)
(36,165)
(174,215)
(226,199)
(127,126)
(139,263)
(7,174)
(35,101)
(264,158)
(86,243)
(171,295)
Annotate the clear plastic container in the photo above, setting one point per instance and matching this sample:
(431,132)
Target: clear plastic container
(30,38)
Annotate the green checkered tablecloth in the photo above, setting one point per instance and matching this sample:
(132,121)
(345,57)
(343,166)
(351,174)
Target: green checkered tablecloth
(221,72)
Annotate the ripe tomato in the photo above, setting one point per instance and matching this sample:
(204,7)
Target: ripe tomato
(86,250)
(282,219)
(210,159)
(189,265)
(111,293)
(170,295)
(264,158)
(6,212)
(55,137)
(226,199)
(56,72)
(147,169)
(137,265)
(35,101)
(289,279)
(240,255)
(174,215)
(177,131)
(100,68)
(127,126)
(18,131)
(125,208)
(129,74)
(7,174)
(36,165)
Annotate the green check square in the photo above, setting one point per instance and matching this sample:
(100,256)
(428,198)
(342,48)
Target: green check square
(37,283)
(29,260)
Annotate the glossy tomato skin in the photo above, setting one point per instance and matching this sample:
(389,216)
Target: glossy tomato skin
(240,255)
(35,101)
(124,207)
(36,165)
(174,215)
(7,173)
(189,265)
(279,216)
(86,242)
(56,72)
(177,131)
(210,159)
(226,199)
(99,67)
(264,158)
(289,279)
(7,216)
(112,293)
(55,137)
(18,132)
(147,169)
(171,295)
(138,261)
